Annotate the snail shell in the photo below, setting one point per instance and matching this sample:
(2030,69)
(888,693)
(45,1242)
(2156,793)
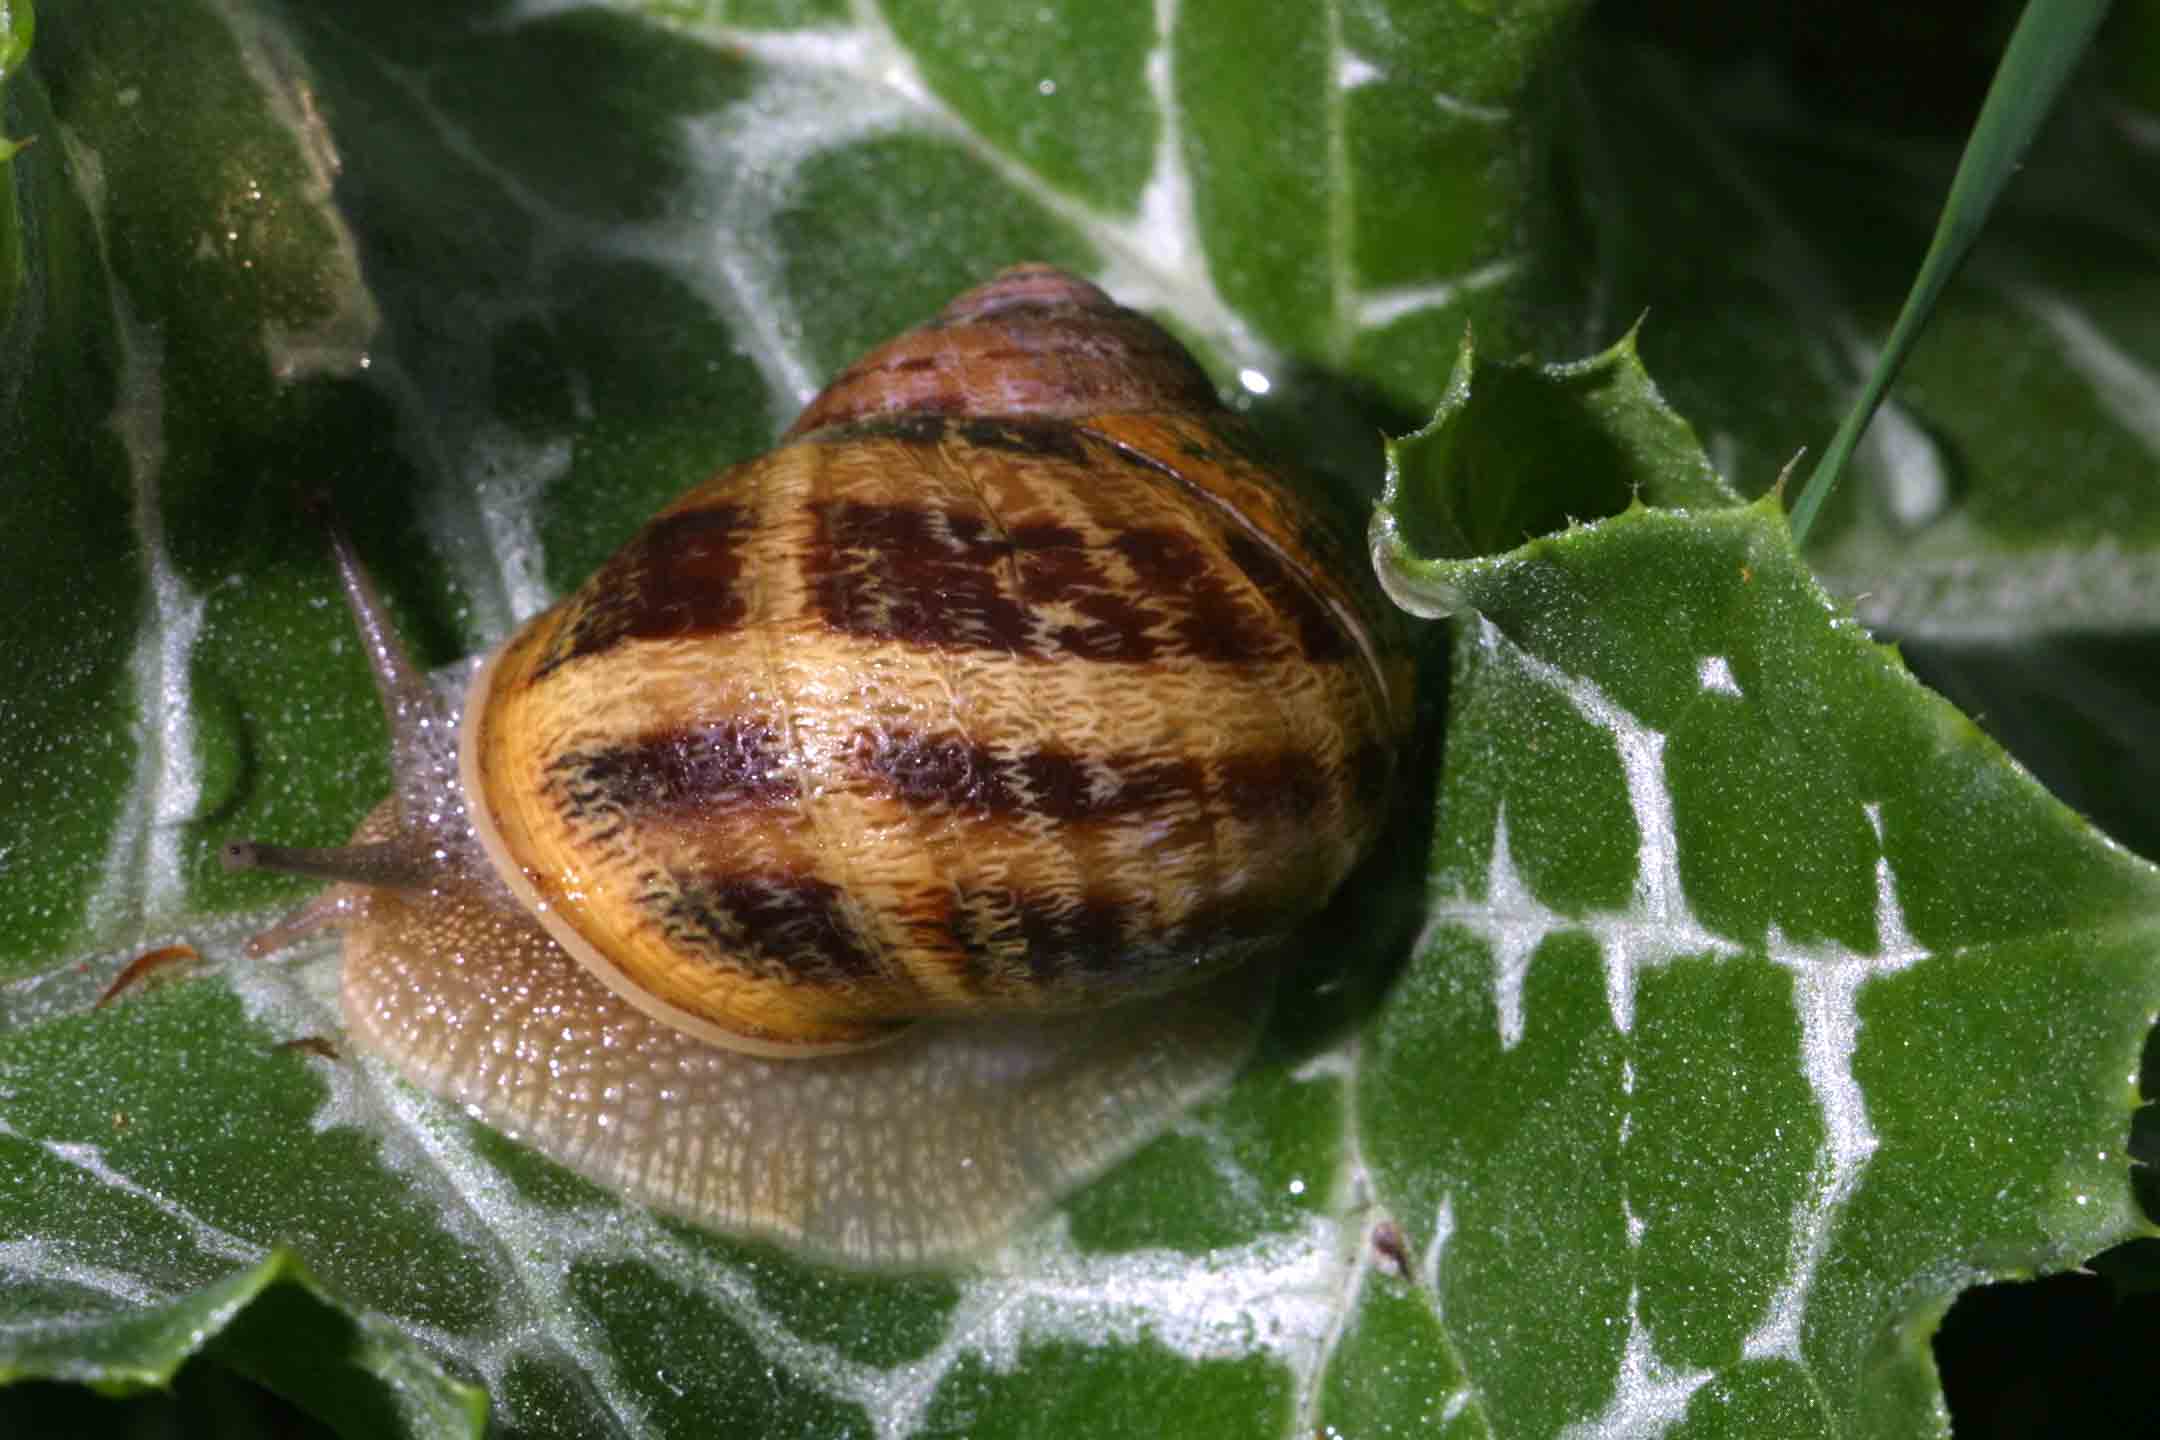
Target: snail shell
(796,873)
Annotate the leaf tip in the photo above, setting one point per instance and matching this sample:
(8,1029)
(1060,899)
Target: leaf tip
(1777,490)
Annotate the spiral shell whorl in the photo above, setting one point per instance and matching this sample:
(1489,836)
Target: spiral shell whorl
(1031,341)
(945,714)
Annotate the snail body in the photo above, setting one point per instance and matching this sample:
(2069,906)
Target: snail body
(798,873)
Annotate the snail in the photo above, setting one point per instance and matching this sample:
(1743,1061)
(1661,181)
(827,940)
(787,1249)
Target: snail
(896,830)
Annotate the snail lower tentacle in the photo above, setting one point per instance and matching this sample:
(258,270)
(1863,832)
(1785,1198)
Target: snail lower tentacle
(387,863)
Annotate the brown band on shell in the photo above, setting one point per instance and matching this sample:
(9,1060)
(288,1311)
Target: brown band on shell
(722,768)
(1216,625)
(1019,949)
(1083,613)
(1073,788)
(717,766)
(1062,950)
(1285,786)
(775,925)
(1320,634)
(1208,614)
(1034,436)
(681,575)
(939,578)
(907,572)
(1087,935)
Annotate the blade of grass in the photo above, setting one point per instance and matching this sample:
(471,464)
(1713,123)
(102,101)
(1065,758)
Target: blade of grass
(2050,38)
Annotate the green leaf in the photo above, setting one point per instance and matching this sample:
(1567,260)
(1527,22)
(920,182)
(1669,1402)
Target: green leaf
(1515,451)
(1767,197)
(1822,1006)
(364,1372)
(507,278)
